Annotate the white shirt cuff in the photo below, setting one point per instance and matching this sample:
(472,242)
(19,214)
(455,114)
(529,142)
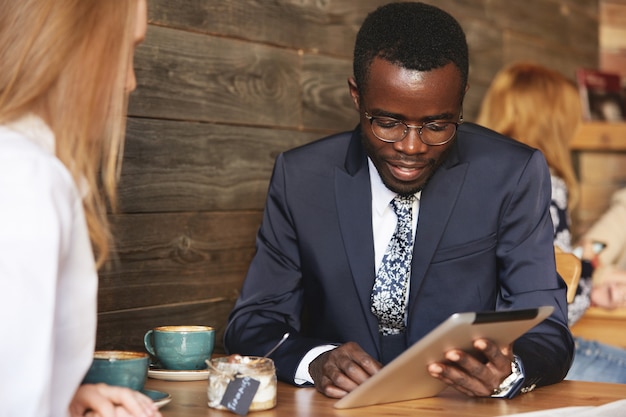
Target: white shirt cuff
(302,373)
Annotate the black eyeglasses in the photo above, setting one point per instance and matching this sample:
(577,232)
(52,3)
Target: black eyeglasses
(432,133)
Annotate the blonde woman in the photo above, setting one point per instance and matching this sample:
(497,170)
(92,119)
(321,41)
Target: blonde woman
(541,107)
(65,73)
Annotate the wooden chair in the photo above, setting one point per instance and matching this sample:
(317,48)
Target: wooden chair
(569,268)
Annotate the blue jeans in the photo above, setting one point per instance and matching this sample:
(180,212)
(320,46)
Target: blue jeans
(598,362)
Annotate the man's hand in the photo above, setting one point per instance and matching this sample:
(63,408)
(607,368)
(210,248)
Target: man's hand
(341,370)
(469,375)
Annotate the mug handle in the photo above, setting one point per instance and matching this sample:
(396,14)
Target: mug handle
(147,342)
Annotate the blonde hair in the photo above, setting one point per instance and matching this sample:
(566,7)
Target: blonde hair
(67,61)
(540,107)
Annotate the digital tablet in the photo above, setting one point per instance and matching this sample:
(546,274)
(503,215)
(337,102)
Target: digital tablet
(407,377)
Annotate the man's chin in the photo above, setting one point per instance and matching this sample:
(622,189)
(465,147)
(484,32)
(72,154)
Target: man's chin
(403,188)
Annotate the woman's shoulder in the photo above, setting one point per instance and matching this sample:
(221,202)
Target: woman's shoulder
(30,170)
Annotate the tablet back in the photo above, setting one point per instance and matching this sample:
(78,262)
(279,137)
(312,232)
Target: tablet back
(407,377)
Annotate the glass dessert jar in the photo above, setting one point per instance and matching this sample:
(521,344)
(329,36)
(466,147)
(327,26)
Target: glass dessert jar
(225,369)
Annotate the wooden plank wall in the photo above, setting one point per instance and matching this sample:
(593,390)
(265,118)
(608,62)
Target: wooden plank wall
(223,87)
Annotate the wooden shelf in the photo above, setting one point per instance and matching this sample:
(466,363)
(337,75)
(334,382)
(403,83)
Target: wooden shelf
(600,136)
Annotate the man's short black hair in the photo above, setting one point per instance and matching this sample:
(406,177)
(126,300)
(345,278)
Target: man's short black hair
(415,36)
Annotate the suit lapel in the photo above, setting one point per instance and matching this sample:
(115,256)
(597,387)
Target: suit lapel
(436,204)
(354,206)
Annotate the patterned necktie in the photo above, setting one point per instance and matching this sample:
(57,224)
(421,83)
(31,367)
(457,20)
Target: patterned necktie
(389,291)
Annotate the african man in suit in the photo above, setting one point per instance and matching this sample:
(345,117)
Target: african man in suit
(480,224)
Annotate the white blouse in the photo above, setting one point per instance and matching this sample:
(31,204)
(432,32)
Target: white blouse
(48,279)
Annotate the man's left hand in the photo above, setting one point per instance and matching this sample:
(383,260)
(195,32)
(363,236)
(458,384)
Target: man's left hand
(472,376)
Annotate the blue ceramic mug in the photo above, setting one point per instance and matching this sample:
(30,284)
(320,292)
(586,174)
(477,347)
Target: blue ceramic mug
(181,347)
(118,367)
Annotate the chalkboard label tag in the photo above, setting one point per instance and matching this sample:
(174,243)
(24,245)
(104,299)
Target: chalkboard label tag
(239,394)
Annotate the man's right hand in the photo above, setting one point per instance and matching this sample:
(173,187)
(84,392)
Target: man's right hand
(339,371)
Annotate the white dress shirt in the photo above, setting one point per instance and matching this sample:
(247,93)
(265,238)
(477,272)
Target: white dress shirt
(48,278)
(384,222)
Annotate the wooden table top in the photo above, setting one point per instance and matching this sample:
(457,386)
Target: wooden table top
(189,399)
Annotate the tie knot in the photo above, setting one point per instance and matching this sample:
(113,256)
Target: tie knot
(402,204)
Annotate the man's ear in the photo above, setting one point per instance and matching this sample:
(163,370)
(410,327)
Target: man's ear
(354,93)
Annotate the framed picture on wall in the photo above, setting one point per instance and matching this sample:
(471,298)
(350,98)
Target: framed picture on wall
(602,96)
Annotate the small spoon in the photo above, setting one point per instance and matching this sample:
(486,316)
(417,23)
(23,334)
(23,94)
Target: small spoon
(280,342)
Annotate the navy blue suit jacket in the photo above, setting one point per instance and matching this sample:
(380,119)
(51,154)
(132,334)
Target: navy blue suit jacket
(484,241)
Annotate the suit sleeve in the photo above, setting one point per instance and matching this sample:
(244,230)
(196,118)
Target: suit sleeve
(528,276)
(270,302)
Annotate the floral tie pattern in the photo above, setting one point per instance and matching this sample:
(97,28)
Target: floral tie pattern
(389,291)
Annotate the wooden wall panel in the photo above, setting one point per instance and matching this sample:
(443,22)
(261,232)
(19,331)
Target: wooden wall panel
(486,58)
(328,26)
(534,18)
(189,76)
(178,268)
(124,329)
(520,48)
(326,101)
(223,87)
(188,166)
(464,11)
(169,258)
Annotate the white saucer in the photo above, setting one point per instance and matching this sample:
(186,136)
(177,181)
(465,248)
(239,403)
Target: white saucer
(171,375)
(160,398)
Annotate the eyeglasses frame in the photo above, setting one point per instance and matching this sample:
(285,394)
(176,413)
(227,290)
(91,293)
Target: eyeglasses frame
(408,127)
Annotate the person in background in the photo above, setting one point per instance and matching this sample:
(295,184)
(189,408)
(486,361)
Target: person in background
(609,276)
(65,74)
(541,108)
(537,106)
(465,212)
